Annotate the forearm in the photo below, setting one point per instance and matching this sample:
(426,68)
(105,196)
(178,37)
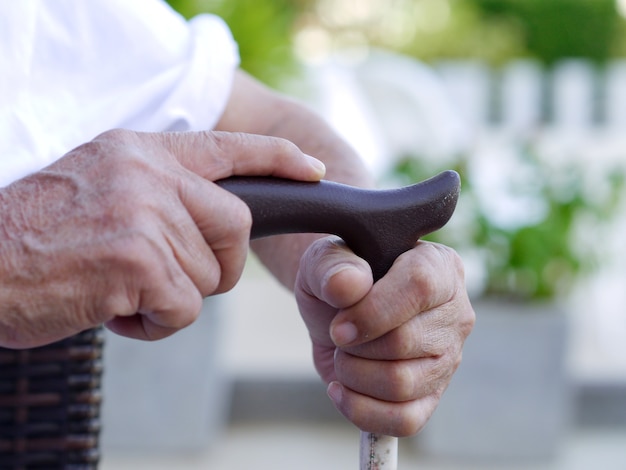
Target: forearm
(295,122)
(282,254)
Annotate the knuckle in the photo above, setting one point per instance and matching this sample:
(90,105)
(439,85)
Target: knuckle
(412,418)
(241,218)
(456,361)
(119,162)
(221,140)
(426,286)
(133,254)
(113,137)
(224,146)
(211,279)
(238,223)
(128,264)
(423,286)
(456,262)
(284,147)
(409,423)
(404,342)
(223,284)
(468,320)
(186,314)
(452,260)
(113,134)
(401,380)
(119,303)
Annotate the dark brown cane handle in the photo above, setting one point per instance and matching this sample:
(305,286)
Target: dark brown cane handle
(378,225)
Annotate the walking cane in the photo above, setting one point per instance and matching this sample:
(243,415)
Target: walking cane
(378,225)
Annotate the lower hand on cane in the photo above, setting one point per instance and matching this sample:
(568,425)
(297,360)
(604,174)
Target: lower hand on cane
(387,350)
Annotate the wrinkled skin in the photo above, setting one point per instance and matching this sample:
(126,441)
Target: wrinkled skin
(129,230)
(388,350)
(411,325)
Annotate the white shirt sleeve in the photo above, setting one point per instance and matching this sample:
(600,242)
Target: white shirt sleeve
(72,69)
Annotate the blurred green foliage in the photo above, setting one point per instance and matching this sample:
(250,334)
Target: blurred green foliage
(554,29)
(493,31)
(262,28)
(468,33)
(539,258)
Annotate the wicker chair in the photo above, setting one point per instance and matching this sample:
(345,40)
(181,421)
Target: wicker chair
(50,405)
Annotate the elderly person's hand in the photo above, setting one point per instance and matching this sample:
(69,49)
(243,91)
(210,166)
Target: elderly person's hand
(387,350)
(129,230)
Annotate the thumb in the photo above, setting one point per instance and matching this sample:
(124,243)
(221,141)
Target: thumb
(215,155)
(332,273)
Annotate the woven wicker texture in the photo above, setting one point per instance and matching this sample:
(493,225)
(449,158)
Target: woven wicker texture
(50,404)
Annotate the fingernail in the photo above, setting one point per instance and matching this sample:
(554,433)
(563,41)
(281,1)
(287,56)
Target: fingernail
(335,392)
(344,333)
(317,164)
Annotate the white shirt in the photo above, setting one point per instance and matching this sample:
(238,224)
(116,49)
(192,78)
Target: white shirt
(71,69)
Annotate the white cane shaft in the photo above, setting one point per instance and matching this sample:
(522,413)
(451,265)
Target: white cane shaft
(378,452)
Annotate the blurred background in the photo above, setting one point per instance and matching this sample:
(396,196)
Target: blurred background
(526,99)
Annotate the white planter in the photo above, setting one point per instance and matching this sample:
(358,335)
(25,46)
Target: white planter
(510,399)
(165,397)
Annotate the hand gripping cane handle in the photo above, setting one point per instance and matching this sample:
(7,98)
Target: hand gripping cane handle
(378,225)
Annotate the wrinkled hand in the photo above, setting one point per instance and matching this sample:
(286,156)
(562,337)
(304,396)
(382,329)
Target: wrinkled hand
(387,350)
(128,229)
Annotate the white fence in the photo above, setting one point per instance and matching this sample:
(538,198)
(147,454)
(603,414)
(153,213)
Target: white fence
(522,96)
(391,106)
